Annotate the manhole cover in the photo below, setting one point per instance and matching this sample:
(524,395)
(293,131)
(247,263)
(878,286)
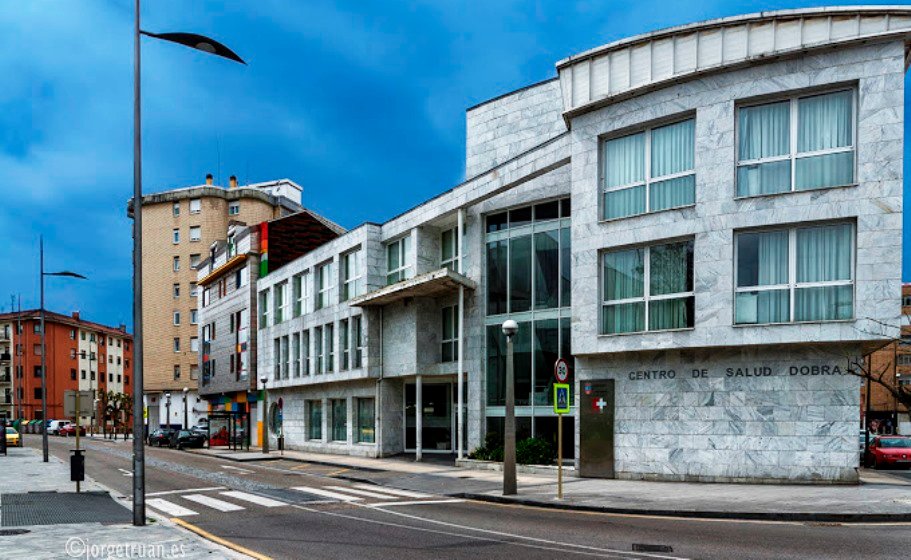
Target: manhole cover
(651,548)
(52,508)
(13,532)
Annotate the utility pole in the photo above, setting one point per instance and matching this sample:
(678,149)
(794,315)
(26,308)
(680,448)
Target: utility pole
(510,328)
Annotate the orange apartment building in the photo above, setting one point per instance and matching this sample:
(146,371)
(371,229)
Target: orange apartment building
(80,355)
(893,362)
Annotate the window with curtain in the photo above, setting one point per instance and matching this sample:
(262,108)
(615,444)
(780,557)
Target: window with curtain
(339,419)
(399,260)
(650,171)
(795,274)
(366,421)
(648,288)
(449,344)
(315,420)
(796,144)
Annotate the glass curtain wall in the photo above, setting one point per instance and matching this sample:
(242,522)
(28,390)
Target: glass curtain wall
(528,280)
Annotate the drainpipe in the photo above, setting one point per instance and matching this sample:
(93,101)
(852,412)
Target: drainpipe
(379,388)
(460,374)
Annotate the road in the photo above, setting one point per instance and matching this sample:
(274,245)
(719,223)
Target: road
(285,509)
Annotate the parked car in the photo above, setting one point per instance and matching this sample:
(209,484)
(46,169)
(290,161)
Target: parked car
(69,429)
(185,438)
(889,452)
(53,426)
(12,438)
(160,437)
(200,429)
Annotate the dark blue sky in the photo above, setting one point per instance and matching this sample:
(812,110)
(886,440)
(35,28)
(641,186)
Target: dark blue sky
(361,103)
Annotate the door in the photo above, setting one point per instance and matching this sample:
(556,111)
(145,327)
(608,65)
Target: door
(596,429)
(436,421)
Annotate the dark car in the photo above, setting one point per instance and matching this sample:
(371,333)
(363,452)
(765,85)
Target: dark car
(68,430)
(186,438)
(889,452)
(160,437)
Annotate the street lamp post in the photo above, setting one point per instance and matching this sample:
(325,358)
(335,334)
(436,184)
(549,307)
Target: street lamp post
(67,273)
(167,406)
(186,425)
(510,328)
(263,380)
(207,45)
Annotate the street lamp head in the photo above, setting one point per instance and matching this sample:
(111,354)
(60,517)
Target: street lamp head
(263,380)
(167,396)
(186,390)
(198,42)
(67,273)
(510,327)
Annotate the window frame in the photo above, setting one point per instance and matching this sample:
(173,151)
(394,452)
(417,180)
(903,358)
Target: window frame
(357,331)
(352,286)
(234,208)
(793,100)
(405,270)
(452,263)
(793,285)
(197,230)
(175,236)
(648,180)
(198,204)
(646,297)
(344,343)
(323,280)
(453,311)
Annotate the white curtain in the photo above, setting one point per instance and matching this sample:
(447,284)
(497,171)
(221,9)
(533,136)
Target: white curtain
(673,148)
(670,273)
(824,253)
(624,202)
(763,132)
(624,160)
(624,277)
(770,268)
(825,122)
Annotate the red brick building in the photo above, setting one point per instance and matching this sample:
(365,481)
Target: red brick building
(893,362)
(80,355)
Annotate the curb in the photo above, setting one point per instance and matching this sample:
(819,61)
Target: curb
(287,458)
(706,514)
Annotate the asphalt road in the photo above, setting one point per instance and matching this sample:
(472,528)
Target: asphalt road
(285,509)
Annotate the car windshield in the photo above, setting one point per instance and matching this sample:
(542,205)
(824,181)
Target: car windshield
(11,431)
(895,442)
(184,433)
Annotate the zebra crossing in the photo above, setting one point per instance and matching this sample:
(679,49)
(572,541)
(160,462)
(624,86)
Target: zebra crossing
(179,504)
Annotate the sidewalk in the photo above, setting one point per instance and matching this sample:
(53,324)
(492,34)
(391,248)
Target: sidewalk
(41,517)
(879,497)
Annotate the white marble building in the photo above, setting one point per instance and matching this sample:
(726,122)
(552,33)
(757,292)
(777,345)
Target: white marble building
(703,220)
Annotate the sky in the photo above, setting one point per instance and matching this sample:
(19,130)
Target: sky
(359,102)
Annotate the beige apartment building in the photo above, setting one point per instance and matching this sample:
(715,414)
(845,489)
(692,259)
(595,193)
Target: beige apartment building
(179,227)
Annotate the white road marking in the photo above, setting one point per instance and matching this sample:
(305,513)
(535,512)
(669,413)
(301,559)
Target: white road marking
(237,469)
(555,546)
(213,503)
(393,491)
(415,503)
(253,498)
(126,472)
(168,492)
(169,508)
(360,492)
(327,494)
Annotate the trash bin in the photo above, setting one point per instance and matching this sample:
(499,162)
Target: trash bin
(281,443)
(77,465)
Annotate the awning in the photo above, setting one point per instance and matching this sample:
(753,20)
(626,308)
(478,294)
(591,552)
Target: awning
(430,284)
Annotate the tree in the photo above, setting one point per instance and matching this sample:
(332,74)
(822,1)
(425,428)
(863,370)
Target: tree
(863,368)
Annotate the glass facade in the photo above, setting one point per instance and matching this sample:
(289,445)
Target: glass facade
(528,280)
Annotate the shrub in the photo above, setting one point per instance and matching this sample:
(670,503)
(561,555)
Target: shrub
(534,451)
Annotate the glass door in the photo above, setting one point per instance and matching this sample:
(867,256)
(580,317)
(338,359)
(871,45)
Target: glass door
(437,427)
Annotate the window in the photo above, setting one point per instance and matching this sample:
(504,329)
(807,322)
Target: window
(176,264)
(194,316)
(36,328)
(297,294)
(264,309)
(323,285)
(296,354)
(339,419)
(280,302)
(175,236)
(176,372)
(796,274)
(195,233)
(36,349)
(352,274)
(318,350)
(343,344)
(110,377)
(449,350)
(37,393)
(399,260)
(177,344)
(73,374)
(175,209)
(241,277)
(277,358)
(366,421)
(206,296)
(177,317)
(315,420)
(176,290)
(195,206)
(285,357)
(329,331)
(797,144)
(110,359)
(233,208)
(72,353)
(647,288)
(449,247)
(650,171)
(194,261)
(904,359)
(357,335)
(72,334)
(906,301)
(305,352)
(193,289)
(82,374)
(194,344)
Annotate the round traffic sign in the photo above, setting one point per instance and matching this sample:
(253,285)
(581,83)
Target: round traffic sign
(561,370)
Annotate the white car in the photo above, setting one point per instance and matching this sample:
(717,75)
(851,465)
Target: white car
(53,426)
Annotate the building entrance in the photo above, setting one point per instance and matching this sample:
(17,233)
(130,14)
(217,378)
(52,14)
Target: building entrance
(437,420)
(596,429)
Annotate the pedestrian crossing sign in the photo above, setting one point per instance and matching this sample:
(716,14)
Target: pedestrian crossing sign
(561,398)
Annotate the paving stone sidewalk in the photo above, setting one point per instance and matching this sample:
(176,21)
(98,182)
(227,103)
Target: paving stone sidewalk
(879,497)
(23,471)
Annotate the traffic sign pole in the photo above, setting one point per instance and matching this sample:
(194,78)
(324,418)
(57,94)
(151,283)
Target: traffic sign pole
(560,457)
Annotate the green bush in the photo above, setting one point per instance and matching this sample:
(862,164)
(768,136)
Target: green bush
(534,451)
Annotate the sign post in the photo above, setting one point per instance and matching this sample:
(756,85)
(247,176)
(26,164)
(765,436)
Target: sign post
(77,404)
(561,407)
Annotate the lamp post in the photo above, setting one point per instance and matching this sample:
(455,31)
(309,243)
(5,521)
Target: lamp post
(510,328)
(186,425)
(207,45)
(263,380)
(167,406)
(67,273)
